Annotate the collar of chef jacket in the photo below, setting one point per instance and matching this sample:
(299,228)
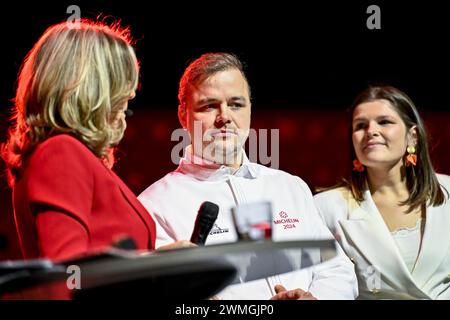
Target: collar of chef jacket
(203,169)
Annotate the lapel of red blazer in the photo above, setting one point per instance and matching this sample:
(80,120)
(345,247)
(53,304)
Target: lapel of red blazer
(140,209)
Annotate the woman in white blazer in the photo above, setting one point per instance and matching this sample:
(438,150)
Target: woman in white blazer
(392,217)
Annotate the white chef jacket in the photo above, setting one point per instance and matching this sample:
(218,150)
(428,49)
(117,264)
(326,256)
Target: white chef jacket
(175,199)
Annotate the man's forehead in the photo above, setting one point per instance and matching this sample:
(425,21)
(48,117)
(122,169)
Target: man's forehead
(220,83)
(210,95)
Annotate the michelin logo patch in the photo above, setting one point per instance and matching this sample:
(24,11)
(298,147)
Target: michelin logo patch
(217,230)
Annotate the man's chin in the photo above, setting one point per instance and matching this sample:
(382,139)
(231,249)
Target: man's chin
(224,152)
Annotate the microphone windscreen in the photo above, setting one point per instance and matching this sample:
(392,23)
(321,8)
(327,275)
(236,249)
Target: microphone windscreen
(207,215)
(208,210)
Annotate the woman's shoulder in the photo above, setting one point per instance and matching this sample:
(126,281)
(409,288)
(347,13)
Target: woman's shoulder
(332,205)
(61,140)
(333,195)
(443,179)
(62,148)
(61,143)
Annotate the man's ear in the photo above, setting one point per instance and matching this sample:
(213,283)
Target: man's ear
(182,117)
(412,136)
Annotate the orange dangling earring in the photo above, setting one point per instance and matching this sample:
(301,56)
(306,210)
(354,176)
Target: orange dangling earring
(411,158)
(358,166)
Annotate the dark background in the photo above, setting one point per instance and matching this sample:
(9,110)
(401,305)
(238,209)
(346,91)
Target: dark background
(299,54)
(305,63)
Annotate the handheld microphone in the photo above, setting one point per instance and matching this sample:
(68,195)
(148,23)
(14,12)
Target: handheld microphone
(207,215)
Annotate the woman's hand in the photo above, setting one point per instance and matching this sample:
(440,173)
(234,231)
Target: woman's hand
(180,244)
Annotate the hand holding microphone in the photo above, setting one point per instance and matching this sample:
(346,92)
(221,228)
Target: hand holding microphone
(207,215)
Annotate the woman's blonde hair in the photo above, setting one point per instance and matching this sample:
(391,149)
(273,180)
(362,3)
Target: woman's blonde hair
(74,80)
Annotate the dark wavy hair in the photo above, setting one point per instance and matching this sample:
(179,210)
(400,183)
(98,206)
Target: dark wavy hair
(421,180)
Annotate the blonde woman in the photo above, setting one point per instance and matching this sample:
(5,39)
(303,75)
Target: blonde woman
(69,114)
(393,216)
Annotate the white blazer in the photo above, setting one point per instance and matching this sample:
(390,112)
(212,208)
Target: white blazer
(381,271)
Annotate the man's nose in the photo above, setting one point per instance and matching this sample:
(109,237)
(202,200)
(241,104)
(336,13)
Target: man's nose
(223,115)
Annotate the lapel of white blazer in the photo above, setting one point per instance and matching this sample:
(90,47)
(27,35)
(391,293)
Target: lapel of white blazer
(435,243)
(370,235)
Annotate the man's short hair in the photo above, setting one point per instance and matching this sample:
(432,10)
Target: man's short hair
(204,67)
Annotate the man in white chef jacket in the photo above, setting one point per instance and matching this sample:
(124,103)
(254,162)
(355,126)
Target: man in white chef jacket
(215,108)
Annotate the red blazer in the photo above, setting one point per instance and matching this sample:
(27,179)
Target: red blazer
(68,203)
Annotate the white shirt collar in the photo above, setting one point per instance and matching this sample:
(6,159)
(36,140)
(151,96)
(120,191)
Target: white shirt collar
(203,169)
